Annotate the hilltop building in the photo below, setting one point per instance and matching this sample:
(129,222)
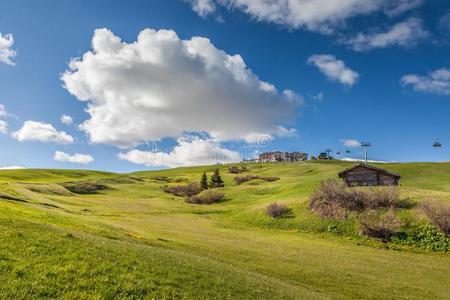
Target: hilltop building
(366,175)
(278,156)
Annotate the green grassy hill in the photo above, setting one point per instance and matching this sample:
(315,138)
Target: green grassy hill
(132,240)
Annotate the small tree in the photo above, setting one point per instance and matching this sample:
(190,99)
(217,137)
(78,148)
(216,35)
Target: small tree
(324,155)
(204,182)
(216,180)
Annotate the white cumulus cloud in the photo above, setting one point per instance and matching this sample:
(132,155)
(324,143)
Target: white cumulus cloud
(76,158)
(66,120)
(350,143)
(316,15)
(163,86)
(188,152)
(43,132)
(7,52)
(395,8)
(203,7)
(437,82)
(404,34)
(334,69)
(293,96)
(3,127)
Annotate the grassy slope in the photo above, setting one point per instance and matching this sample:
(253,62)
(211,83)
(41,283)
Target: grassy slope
(134,240)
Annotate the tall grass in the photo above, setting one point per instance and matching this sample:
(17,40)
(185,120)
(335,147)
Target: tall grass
(277,210)
(438,213)
(382,226)
(334,199)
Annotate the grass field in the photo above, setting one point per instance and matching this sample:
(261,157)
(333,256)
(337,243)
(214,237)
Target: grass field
(132,240)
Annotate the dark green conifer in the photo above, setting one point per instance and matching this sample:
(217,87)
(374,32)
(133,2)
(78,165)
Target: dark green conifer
(204,182)
(216,181)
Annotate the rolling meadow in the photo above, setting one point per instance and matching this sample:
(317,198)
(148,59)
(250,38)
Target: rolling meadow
(97,235)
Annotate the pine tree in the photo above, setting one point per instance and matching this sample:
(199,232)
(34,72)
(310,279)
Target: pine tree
(204,182)
(216,180)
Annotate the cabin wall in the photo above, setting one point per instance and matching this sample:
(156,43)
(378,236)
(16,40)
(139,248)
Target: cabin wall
(361,176)
(366,177)
(386,179)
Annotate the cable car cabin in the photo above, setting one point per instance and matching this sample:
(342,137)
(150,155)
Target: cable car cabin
(437,145)
(366,175)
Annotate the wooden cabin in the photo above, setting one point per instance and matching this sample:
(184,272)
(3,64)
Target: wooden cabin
(367,175)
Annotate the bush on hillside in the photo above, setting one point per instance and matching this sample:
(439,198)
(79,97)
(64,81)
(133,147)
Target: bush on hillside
(206,197)
(188,190)
(276,210)
(242,179)
(328,210)
(383,227)
(379,197)
(438,213)
(334,199)
(179,180)
(161,178)
(237,170)
(84,187)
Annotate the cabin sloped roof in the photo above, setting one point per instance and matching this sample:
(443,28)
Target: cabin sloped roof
(341,174)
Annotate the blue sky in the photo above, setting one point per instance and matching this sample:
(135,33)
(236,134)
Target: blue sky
(381,68)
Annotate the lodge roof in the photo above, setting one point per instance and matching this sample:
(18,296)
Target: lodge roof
(342,174)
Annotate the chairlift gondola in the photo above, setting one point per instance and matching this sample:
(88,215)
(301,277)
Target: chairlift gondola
(437,144)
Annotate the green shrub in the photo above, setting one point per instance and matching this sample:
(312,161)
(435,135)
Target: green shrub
(206,197)
(425,236)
